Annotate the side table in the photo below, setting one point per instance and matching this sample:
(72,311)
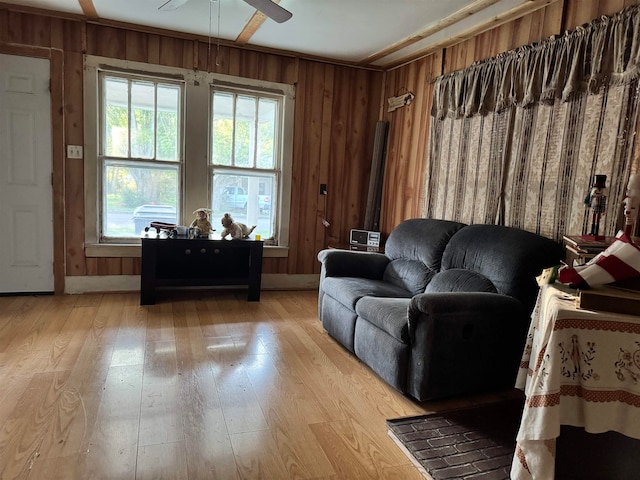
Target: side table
(579,368)
(184,262)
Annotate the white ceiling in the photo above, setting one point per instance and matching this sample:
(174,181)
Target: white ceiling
(348,31)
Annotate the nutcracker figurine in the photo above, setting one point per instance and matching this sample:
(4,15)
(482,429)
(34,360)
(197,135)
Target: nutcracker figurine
(597,201)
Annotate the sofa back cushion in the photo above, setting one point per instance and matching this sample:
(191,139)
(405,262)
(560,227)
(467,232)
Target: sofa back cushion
(415,249)
(459,280)
(508,257)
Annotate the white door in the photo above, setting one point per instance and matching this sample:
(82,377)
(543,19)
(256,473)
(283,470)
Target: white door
(26,199)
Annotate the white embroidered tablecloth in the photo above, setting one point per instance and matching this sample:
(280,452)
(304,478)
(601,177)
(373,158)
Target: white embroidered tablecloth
(580,368)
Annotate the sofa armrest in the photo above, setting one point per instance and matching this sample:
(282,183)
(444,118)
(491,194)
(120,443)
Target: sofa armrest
(463,342)
(347,263)
(457,305)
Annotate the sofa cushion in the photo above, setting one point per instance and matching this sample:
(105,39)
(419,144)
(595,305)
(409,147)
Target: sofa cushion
(339,321)
(388,314)
(509,257)
(415,249)
(348,290)
(459,280)
(408,274)
(387,356)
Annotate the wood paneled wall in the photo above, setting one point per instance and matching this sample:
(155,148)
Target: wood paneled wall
(336,111)
(409,126)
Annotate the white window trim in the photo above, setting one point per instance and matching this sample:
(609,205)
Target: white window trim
(196,166)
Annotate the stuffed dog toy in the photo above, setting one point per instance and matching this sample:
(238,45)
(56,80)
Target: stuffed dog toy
(201,223)
(237,230)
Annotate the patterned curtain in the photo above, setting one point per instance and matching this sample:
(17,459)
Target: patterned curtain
(517,139)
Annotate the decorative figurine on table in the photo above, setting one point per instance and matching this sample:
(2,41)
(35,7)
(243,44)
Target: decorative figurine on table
(237,230)
(631,204)
(597,201)
(201,225)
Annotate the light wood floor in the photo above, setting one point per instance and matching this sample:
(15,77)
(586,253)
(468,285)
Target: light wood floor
(200,386)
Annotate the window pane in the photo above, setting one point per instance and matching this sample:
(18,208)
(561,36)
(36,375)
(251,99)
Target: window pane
(245,131)
(267,111)
(136,195)
(222,131)
(116,117)
(142,120)
(248,198)
(167,120)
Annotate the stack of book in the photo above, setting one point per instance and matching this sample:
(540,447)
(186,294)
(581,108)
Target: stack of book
(581,250)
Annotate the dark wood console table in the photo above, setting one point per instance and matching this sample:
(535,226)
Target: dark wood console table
(183,262)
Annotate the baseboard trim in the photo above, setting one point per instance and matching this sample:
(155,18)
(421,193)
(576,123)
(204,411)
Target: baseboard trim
(131,283)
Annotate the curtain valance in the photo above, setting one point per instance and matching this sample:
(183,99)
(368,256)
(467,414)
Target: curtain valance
(601,53)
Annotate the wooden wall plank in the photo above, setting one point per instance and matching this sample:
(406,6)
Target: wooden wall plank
(171,51)
(336,179)
(233,63)
(131,266)
(470,51)
(92,266)
(411,125)
(29,29)
(521,31)
(360,148)
(4,26)
(551,19)
(74,170)
(153,49)
(58,166)
(106,41)
(608,7)
(57,33)
(75,37)
(14,30)
(320,234)
(137,46)
(303,222)
(579,13)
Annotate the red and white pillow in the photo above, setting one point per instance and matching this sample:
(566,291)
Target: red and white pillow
(621,260)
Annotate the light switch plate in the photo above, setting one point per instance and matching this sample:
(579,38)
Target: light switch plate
(74,151)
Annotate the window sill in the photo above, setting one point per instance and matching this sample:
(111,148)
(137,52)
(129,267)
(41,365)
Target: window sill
(130,250)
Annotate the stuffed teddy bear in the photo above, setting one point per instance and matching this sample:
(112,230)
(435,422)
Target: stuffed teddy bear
(201,224)
(237,230)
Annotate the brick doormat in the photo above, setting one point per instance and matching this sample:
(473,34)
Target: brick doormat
(474,443)
(478,444)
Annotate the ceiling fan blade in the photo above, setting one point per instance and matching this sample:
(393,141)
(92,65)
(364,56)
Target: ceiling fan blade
(172,5)
(272,10)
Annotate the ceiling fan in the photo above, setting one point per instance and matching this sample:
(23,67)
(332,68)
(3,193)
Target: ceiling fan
(269,8)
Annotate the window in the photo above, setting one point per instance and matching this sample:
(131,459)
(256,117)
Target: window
(245,159)
(161,142)
(140,153)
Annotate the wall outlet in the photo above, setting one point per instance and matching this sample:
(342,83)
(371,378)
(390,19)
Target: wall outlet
(323,189)
(74,151)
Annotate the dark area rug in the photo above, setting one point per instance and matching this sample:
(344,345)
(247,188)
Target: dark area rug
(470,443)
(478,444)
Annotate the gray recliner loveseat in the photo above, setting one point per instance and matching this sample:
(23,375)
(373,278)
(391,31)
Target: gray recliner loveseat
(444,311)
